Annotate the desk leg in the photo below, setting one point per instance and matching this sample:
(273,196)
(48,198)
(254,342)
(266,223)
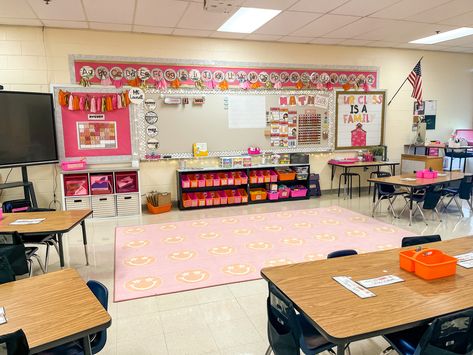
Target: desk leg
(393,169)
(345,190)
(333,175)
(61,250)
(84,239)
(375,188)
(340,349)
(411,190)
(86,345)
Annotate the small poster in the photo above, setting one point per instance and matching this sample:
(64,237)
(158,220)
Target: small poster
(97,135)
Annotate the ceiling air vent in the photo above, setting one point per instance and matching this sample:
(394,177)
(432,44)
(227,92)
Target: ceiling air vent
(221,6)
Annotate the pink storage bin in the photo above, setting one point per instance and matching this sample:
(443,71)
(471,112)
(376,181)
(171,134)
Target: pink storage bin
(200,199)
(216,180)
(185,181)
(101,184)
(273,195)
(208,198)
(223,179)
(216,198)
(126,182)
(420,174)
(284,192)
(244,195)
(190,200)
(430,174)
(259,177)
(223,197)
(273,176)
(233,196)
(193,181)
(76,185)
(244,178)
(298,191)
(200,180)
(74,165)
(253,177)
(231,178)
(209,180)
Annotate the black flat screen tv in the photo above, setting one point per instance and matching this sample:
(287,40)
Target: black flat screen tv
(27,129)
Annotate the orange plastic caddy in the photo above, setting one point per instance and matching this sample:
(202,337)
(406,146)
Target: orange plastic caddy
(428,264)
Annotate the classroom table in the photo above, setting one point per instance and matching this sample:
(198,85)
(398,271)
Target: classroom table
(52,309)
(56,222)
(342,317)
(405,180)
(360,164)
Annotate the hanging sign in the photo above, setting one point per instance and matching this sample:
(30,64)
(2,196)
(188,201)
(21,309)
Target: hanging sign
(136,95)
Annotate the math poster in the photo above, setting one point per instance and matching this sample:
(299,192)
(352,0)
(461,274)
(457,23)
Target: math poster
(359,119)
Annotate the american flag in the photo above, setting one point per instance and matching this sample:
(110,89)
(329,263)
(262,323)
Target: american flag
(415,78)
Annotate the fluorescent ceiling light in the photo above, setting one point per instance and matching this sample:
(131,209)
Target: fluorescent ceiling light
(445,36)
(248,19)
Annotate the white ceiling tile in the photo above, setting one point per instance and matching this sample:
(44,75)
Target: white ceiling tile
(110,26)
(20,21)
(457,49)
(196,17)
(65,24)
(228,35)
(320,6)
(159,13)
(406,8)
(287,22)
(464,20)
(381,44)
(58,10)
(295,39)
(402,31)
(152,29)
(351,30)
(191,32)
(260,37)
(269,4)
(16,9)
(459,42)
(324,24)
(110,11)
(442,12)
(354,42)
(326,40)
(362,7)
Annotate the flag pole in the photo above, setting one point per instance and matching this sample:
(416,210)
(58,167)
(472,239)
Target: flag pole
(402,84)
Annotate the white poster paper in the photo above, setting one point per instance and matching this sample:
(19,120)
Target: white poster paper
(430,107)
(247,111)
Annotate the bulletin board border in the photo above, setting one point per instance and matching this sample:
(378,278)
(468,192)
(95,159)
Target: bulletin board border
(59,127)
(341,92)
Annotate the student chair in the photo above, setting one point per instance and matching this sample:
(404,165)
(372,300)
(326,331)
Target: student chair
(6,272)
(429,201)
(463,192)
(389,193)
(447,335)
(98,340)
(422,239)
(341,253)
(349,181)
(16,343)
(19,256)
(289,332)
(378,174)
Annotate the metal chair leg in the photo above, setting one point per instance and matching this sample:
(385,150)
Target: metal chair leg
(459,206)
(392,208)
(30,266)
(268,350)
(46,258)
(339,183)
(438,214)
(39,262)
(422,214)
(375,206)
(469,204)
(359,186)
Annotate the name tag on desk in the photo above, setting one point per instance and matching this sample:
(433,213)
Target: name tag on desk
(465,260)
(380,281)
(354,287)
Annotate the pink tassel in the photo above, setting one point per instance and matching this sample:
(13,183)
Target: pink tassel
(278,85)
(319,86)
(329,86)
(162,85)
(82,103)
(245,85)
(119,102)
(366,87)
(70,106)
(99,104)
(114,102)
(93,105)
(106,81)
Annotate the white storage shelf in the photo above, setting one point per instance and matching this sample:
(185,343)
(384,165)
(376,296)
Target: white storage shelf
(104,205)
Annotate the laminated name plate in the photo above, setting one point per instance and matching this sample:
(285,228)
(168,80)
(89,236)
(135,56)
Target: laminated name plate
(380,281)
(408,179)
(465,260)
(27,221)
(354,287)
(3,317)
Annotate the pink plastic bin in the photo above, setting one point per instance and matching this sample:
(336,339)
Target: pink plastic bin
(200,180)
(216,180)
(101,184)
(76,185)
(208,198)
(73,165)
(223,197)
(185,181)
(426,174)
(216,198)
(126,182)
(298,191)
(259,177)
(273,195)
(190,200)
(231,178)
(284,192)
(273,176)
(244,178)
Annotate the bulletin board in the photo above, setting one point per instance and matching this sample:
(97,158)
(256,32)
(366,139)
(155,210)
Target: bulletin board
(359,119)
(101,136)
(169,129)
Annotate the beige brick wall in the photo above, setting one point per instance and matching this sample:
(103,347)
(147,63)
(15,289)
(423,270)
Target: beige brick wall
(31,60)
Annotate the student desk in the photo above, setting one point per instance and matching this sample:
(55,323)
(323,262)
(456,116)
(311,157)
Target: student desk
(342,317)
(52,309)
(56,222)
(418,183)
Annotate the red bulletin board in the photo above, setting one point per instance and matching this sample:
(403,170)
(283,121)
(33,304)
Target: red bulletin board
(70,120)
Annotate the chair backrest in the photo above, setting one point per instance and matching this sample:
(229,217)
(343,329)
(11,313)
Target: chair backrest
(422,239)
(99,339)
(466,185)
(340,253)
(382,174)
(6,272)
(283,328)
(448,335)
(432,197)
(16,343)
(385,189)
(13,249)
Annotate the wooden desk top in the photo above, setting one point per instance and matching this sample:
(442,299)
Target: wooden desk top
(364,164)
(52,309)
(56,221)
(397,179)
(342,316)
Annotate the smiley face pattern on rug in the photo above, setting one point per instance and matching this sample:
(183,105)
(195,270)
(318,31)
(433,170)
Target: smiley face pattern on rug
(171,257)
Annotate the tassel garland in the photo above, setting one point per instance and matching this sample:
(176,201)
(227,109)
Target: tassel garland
(94,104)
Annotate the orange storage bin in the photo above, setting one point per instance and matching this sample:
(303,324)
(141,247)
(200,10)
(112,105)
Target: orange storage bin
(158,209)
(286,174)
(258,194)
(209,180)
(216,179)
(244,178)
(208,199)
(200,180)
(186,183)
(193,181)
(233,196)
(200,199)
(223,179)
(189,200)
(216,198)
(244,195)
(223,197)
(260,177)
(253,178)
(266,176)
(237,178)
(428,264)
(273,176)
(231,178)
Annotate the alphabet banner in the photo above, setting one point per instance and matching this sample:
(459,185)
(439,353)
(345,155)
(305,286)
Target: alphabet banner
(359,119)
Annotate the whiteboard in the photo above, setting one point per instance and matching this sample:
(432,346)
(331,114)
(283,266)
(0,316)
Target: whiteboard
(181,125)
(247,111)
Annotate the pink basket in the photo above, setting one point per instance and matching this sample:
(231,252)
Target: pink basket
(273,195)
(273,176)
(426,174)
(298,191)
(73,165)
(284,192)
(185,181)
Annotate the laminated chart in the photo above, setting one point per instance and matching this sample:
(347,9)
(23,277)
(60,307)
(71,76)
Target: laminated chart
(310,127)
(93,135)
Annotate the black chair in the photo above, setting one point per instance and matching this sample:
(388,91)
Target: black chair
(6,272)
(289,332)
(389,193)
(349,181)
(19,256)
(463,192)
(418,240)
(341,253)
(16,343)
(378,174)
(429,200)
(447,335)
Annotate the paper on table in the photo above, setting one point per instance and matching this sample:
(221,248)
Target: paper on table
(380,281)
(27,221)
(465,260)
(408,179)
(354,287)
(3,318)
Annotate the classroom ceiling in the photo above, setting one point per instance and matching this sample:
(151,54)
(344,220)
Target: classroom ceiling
(373,23)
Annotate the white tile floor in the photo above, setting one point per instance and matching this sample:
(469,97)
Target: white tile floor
(228,319)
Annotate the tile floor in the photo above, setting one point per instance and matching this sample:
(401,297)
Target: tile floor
(227,319)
